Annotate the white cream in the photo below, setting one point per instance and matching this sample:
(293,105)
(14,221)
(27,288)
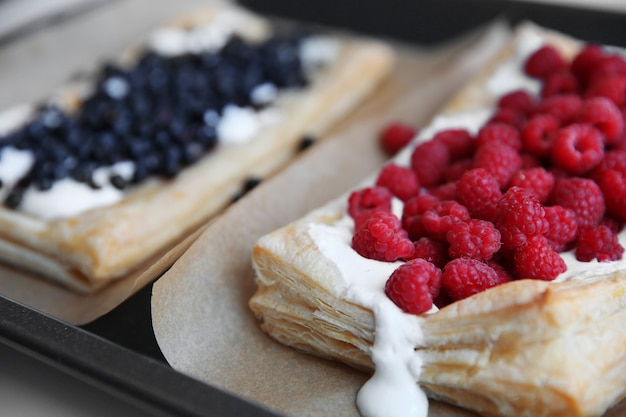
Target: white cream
(14,164)
(14,117)
(317,51)
(68,197)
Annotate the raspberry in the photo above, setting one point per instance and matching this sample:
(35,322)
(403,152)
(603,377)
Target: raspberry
(519,100)
(459,142)
(613,186)
(544,61)
(562,226)
(508,116)
(500,160)
(598,242)
(434,251)
(442,216)
(538,133)
(608,65)
(455,170)
(604,115)
(396,136)
(382,238)
(565,107)
(399,180)
(537,260)
(559,82)
(585,60)
(529,160)
(429,160)
(536,180)
(477,239)
(503,274)
(444,191)
(364,201)
(577,148)
(479,191)
(413,285)
(412,214)
(464,277)
(519,216)
(613,161)
(612,87)
(500,132)
(581,195)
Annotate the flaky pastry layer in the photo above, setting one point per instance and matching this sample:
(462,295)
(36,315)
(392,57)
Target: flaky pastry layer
(526,348)
(89,250)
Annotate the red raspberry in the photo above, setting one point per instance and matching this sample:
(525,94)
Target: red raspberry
(613,161)
(562,226)
(612,87)
(529,160)
(520,216)
(412,214)
(536,180)
(500,160)
(538,134)
(464,277)
(503,273)
(455,170)
(559,82)
(605,116)
(520,100)
(479,191)
(581,195)
(429,160)
(396,136)
(499,132)
(544,61)
(537,260)
(444,191)
(442,216)
(381,237)
(577,148)
(399,180)
(431,250)
(459,142)
(413,285)
(613,186)
(608,65)
(565,107)
(477,239)
(583,63)
(508,116)
(598,242)
(368,199)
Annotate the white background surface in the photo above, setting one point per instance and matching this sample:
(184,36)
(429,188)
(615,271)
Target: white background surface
(30,388)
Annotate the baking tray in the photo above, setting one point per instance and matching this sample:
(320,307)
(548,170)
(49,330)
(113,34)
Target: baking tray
(118,352)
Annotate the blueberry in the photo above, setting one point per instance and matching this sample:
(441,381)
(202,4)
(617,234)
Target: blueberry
(117,181)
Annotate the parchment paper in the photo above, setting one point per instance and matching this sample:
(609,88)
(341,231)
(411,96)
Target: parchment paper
(200,314)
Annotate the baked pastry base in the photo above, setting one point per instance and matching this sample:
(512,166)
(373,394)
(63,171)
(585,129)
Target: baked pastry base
(526,348)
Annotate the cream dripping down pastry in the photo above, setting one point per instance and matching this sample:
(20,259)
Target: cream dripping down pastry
(482,265)
(111,172)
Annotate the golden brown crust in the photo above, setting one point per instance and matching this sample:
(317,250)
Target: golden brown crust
(90,249)
(527,348)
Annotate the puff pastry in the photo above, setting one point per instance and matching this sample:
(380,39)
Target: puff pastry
(89,249)
(524,348)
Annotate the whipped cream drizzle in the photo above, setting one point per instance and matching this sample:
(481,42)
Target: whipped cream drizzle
(235,127)
(394,389)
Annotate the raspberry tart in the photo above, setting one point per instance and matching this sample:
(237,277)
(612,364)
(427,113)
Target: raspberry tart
(110,173)
(497,283)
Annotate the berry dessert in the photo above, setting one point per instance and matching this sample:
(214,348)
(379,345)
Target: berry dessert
(483,265)
(111,173)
